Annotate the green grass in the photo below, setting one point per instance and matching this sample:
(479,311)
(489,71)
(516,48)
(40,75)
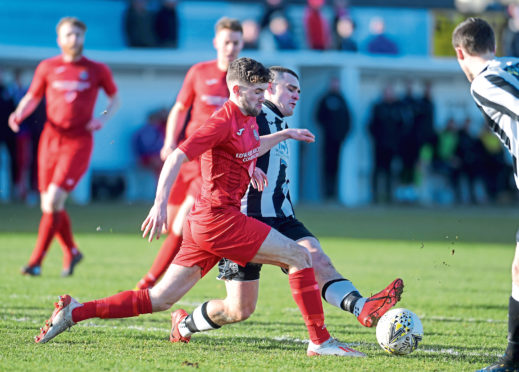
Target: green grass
(455,264)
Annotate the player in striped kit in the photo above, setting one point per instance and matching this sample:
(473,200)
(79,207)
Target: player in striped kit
(268,200)
(495,89)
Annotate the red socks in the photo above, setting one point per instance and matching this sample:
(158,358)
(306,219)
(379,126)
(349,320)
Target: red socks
(122,305)
(306,295)
(66,239)
(49,224)
(166,254)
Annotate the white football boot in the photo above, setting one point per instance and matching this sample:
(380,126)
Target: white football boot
(332,347)
(60,320)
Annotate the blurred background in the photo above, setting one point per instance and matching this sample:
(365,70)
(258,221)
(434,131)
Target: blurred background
(381,89)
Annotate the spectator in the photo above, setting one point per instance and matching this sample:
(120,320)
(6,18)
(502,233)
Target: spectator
(166,24)
(251,31)
(7,137)
(280,29)
(316,27)
(409,144)
(511,32)
(343,35)
(148,141)
(380,43)
(139,25)
(333,117)
(385,124)
(470,152)
(271,7)
(446,161)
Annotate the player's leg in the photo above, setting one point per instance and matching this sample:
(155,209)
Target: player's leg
(242,285)
(176,215)
(282,251)
(510,360)
(180,201)
(176,282)
(341,292)
(52,203)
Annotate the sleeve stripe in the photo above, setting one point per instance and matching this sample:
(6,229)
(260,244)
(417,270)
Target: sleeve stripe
(501,83)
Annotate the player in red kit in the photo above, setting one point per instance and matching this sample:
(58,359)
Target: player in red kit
(70,82)
(204,91)
(229,145)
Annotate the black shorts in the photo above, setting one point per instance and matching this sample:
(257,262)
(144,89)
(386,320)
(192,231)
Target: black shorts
(291,227)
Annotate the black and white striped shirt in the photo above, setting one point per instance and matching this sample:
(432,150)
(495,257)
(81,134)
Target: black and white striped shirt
(274,200)
(496,92)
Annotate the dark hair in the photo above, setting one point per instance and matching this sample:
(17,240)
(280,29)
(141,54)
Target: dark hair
(248,71)
(226,23)
(73,21)
(475,36)
(280,70)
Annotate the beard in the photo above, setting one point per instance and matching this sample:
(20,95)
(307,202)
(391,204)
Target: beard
(249,109)
(73,52)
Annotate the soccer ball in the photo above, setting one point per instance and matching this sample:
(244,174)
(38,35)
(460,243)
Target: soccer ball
(399,331)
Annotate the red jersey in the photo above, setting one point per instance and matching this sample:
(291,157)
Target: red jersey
(229,144)
(70,89)
(205,91)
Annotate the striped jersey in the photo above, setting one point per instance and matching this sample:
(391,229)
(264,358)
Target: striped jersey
(274,200)
(496,92)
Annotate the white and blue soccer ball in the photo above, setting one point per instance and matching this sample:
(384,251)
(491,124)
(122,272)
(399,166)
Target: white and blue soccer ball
(399,331)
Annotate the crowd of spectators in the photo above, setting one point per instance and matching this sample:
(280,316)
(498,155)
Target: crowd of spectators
(413,161)
(154,23)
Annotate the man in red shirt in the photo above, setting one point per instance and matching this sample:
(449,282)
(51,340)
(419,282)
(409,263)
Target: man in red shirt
(203,92)
(229,145)
(70,82)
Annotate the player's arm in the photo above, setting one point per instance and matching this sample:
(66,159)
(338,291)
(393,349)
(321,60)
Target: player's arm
(25,108)
(270,140)
(100,121)
(157,217)
(176,120)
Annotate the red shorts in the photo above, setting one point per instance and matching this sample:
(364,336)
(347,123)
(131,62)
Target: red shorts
(188,182)
(229,234)
(62,159)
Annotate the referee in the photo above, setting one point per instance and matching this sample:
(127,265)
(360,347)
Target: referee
(495,88)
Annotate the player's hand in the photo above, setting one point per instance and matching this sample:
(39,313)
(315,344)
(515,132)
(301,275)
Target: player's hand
(259,179)
(166,150)
(14,122)
(155,222)
(301,135)
(93,125)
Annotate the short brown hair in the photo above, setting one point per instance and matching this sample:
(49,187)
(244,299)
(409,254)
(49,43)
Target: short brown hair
(248,71)
(73,21)
(474,35)
(281,70)
(226,23)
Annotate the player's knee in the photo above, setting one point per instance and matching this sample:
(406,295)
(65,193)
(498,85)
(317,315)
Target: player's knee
(299,256)
(241,312)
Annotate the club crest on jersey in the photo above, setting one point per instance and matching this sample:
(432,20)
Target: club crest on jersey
(83,75)
(256,135)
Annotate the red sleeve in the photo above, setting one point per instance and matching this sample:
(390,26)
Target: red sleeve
(107,80)
(187,92)
(214,132)
(39,83)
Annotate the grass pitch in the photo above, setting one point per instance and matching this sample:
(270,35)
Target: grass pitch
(455,264)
